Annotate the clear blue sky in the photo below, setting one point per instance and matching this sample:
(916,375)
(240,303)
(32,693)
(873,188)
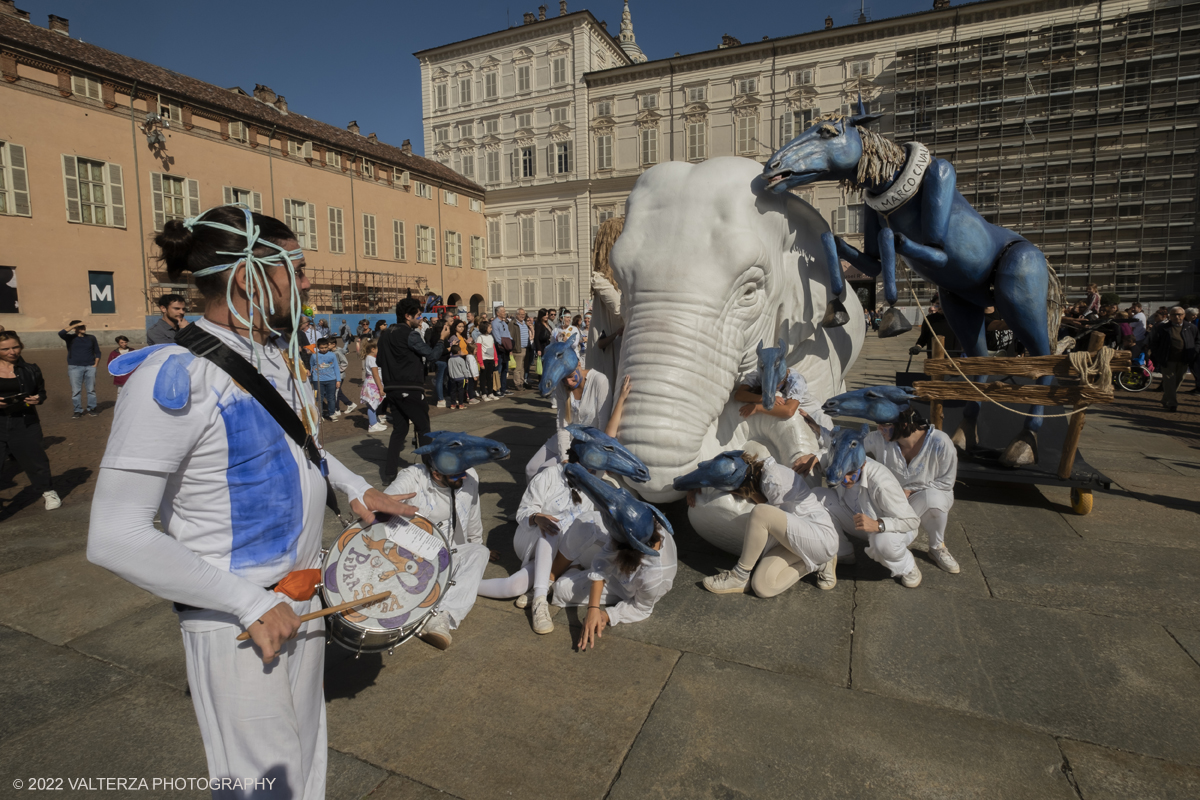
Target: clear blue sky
(338,61)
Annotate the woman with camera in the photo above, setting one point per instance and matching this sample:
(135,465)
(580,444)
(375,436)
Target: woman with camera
(22,389)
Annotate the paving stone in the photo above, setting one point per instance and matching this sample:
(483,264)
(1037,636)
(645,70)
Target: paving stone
(722,731)
(969,580)
(146,642)
(1139,515)
(553,723)
(1010,508)
(1104,774)
(66,597)
(348,778)
(1189,640)
(32,538)
(41,683)
(397,787)
(1116,682)
(1117,578)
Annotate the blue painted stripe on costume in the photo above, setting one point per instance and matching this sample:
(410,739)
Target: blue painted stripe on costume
(265,499)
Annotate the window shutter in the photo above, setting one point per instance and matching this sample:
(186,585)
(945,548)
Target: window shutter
(20,180)
(193,191)
(256,199)
(512,165)
(551,166)
(312,226)
(71,187)
(156,193)
(79,85)
(288,219)
(227,195)
(116,187)
(307,151)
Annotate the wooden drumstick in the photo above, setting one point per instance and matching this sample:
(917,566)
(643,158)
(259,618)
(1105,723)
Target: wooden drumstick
(375,598)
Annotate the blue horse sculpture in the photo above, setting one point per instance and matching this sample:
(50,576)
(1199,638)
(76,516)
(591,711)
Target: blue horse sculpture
(454,453)
(725,473)
(633,518)
(772,368)
(847,454)
(917,212)
(600,452)
(876,403)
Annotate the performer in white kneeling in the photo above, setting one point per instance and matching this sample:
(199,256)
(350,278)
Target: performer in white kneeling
(446,492)
(925,462)
(242,502)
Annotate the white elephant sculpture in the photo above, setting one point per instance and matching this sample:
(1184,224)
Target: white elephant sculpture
(710,264)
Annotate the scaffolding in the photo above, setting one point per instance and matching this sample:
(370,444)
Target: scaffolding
(1081,136)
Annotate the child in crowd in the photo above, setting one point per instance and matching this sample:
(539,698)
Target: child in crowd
(372,388)
(122,348)
(328,378)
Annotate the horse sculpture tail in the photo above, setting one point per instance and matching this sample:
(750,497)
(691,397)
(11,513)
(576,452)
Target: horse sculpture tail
(1054,306)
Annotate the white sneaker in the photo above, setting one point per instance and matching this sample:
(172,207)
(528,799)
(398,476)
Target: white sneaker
(473,400)
(542,624)
(827,575)
(725,582)
(52,499)
(350,408)
(441,403)
(378,427)
(437,632)
(911,580)
(522,601)
(941,556)
(487,398)
(335,416)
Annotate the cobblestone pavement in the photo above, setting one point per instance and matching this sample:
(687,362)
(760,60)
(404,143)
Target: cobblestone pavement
(1060,663)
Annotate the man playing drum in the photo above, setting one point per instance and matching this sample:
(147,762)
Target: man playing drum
(447,494)
(241,501)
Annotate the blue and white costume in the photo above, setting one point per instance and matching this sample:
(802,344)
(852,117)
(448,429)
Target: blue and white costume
(795,387)
(632,596)
(929,477)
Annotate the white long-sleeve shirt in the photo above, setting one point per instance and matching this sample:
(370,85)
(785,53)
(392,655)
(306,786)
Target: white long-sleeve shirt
(640,591)
(878,495)
(241,505)
(593,408)
(433,503)
(550,494)
(934,467)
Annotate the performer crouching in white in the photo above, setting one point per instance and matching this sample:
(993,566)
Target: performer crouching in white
(925,462)
(242,502)
(445,490)
(788,516)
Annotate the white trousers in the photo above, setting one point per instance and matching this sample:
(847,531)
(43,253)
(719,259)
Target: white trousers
(933,520)
(469,562)
(262,722)
(574,589)
(581,542)
(889,548)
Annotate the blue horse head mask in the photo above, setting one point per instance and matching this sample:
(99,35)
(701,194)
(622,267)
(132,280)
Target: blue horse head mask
(876,403)
(772,368)
(829,150)
(558,361)
(724,473)
(848,454)
(634,520)
(453,453)
(599,452)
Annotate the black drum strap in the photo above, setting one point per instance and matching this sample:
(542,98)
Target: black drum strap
(204,345)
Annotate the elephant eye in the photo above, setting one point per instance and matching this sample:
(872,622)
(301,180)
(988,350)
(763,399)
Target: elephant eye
(749,295)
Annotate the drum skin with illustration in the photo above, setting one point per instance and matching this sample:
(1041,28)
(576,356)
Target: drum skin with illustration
(407,557)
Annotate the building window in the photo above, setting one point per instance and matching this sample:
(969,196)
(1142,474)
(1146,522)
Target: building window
(526,162)
(450,198)
(368,169)
(441,134)
(493,236)
(491,127)
(14,182)
(697,141)
(476,205)
(466,130)
(523,78)
(558,70)
(453,249)
(426,245)
(787,126)
(440,100)
(333,159)
(468,166)
(301,217)
(477,252)
(92,195)
(490,86)
(649,101)
(697,94)
(370,246)
(804,77)
(747,85)
(237,132)
(604,109)
(464,91)
(649,146)
(562,158)
(747,137)
(399,244)
(337,231)
(85,86)
(559,115)
(95,192)
(246,198)
(529,291)
(174,198)
(604,159)
(562,231)
(848,219)
(171,111)
(566,293)
(860,69)
(525,120)
(528,242)
(491,160)
(496,290)
(423,190)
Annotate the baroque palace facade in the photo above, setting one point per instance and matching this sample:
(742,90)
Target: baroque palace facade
(98,150)
(1073,122)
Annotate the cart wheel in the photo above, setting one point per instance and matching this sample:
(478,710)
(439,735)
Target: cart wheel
(1081,501)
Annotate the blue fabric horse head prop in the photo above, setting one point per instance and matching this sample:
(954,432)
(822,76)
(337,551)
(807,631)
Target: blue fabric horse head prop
(453,453)
(724,473)
(876,403)
(558,361)
(847,455)
(829,150)
(600,452)
(634,520)
(772,368)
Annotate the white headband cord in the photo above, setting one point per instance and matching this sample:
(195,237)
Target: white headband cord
(256,284)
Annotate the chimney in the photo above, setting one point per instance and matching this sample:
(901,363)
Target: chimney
(528,17)
(9,7)
(281,104)
(541,13)
(604,26)
(406,147)
(353,126)
(372,138)
(828,23)
(728,41)
(938,5)
(862,18)
(264,93)
(60,25)
(562,8)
